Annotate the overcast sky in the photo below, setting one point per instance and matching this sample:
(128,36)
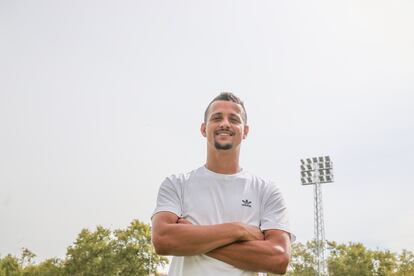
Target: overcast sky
(101,100)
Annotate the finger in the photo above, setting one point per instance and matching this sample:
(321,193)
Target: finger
(183,221)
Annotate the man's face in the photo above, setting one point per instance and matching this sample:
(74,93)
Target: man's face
(224,127)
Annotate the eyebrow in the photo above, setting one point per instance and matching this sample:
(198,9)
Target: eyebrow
(221,114)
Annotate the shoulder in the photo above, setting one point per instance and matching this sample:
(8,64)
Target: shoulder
(180,178)
(267,189)
(263,183)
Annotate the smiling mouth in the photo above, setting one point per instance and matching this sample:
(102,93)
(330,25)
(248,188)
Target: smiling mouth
(224,133)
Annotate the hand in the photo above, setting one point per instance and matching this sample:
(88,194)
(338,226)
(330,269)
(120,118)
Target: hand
(252,233)
(183,221)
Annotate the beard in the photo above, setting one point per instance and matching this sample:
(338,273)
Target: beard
(219,146)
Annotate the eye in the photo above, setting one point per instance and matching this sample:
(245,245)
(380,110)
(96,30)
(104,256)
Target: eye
(234,120)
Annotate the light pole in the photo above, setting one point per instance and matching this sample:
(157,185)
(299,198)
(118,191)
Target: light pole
(315,171)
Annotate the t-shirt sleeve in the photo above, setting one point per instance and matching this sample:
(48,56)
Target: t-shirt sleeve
(169,198)
(275,214)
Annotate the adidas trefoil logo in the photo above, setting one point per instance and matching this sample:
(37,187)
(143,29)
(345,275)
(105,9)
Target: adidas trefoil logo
(246,203)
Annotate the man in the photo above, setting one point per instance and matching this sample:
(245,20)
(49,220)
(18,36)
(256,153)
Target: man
(220,219)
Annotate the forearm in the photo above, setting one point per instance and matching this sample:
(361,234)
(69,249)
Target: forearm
(187,239)
(263,256)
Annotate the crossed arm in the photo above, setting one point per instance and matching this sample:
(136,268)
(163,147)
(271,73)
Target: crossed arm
(238,244)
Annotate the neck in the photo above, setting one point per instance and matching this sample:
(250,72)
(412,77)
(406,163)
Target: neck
(223,161)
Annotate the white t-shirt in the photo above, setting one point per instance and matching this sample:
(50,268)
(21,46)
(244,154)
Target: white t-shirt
(204,197)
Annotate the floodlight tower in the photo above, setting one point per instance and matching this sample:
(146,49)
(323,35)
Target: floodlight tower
(315,171)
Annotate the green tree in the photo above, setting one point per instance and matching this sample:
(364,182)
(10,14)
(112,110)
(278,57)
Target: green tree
(129,252)
(121,252)
(49,267)
(9,266)
(91,254)
(406,263)
(134,251)
(352,259)
(384,263)
(26,257)
(101,252)
(303,260)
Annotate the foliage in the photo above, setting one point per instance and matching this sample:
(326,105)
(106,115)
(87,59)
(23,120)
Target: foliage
(406,263)
(129,252)
(49,267)
(101,252)
(352,259)
(121,252)
(303,259)
(9,266)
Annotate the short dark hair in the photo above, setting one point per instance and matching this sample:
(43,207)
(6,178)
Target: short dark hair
(227,96)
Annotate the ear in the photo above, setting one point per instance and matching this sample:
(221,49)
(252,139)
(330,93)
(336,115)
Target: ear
(203,129)
(245,131)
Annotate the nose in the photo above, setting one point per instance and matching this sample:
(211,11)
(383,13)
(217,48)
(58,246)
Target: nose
(225,123)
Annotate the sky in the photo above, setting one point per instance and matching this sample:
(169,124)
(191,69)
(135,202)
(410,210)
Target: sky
(101,100)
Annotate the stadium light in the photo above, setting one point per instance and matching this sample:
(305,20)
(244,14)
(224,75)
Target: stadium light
(315,171)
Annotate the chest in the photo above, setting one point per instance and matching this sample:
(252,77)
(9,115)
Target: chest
(213,202)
